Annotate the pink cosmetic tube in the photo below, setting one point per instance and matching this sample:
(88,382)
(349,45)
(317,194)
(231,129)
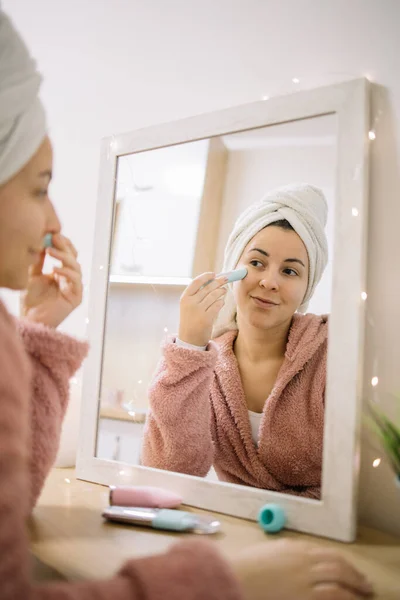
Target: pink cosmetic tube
(146,497)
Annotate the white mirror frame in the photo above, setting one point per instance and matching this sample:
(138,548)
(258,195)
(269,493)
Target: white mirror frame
(335,515)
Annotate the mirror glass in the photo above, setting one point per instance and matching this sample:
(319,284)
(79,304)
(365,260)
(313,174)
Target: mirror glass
(203,412)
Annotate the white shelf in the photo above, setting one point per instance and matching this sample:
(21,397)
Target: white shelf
(140,280)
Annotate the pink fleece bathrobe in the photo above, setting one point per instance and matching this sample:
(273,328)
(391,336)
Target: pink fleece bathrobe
(35,368)
(199,417)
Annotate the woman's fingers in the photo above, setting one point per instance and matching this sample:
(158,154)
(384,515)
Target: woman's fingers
(331,591)
(210,288)
(199,305)
(61,242)
(198,282)
(71,276)
(204,284)
(333,569)
(37,268)
(203,293)
(67,258)
(211,298)
(58,242)
(72,247)
(215,307)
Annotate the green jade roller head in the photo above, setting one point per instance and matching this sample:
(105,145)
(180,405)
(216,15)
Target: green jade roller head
(48,240)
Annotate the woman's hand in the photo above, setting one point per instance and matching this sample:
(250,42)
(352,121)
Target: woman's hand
(289,569)
(199,308)
(50,298)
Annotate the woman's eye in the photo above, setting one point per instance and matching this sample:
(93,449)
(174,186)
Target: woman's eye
(290,272)
(256,263)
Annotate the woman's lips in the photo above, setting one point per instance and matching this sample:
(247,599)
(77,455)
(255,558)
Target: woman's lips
(264,303)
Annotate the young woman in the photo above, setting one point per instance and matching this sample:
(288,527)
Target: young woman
(251,401)
(36,363)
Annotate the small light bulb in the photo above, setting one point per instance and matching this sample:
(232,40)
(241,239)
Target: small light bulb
(364,295)
(372,135)
(296,80)
(67,480)
(101,267)
(140,381)
(376,463)
(166,329)
(265,98)
(374,381)
(87,320)
(122,472)
(354,212)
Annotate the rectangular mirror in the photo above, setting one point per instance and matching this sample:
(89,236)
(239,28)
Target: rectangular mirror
(236,434)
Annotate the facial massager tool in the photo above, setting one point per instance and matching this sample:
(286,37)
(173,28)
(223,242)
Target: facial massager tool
(232,276)
(272,518)
(48,240)
(163,518)
(235,275)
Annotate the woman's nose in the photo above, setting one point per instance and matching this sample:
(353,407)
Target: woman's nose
(53,222)
(269,281)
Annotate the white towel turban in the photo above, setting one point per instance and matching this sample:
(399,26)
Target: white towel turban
(22,118)
(305,208)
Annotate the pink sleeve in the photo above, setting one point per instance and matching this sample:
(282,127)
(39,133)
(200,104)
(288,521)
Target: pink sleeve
(178,430)
(54,357)
(191,570)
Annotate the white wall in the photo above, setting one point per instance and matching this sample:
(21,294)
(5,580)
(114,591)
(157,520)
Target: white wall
(160,195)
(139,318)
(286,156)
(11,300)
(115,65)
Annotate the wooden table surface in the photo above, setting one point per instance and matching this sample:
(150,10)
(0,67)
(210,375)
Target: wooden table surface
(69,538)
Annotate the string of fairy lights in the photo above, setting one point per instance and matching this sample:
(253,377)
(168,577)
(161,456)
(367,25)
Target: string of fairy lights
(294,83)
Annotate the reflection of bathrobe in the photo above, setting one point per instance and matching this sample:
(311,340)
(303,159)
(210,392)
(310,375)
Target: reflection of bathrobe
(199,415)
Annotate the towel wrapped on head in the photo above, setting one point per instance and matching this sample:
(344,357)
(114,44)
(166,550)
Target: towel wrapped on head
(22,117)
(305,208)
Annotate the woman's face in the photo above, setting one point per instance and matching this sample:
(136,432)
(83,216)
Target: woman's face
(26,216)
(277,264)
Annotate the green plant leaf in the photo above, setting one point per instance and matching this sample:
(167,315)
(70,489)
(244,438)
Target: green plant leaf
(387,432)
